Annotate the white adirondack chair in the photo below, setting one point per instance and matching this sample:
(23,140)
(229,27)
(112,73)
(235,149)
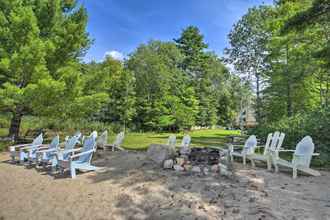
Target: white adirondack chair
(301,160)
(248,149)
(82,160)
(15,150)
(272,146)
(102,140)
(63,154)
(185,143)
(171,141)
(118,141)
(34,156)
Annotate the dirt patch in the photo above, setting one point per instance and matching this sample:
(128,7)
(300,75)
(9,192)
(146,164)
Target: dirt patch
(132,187)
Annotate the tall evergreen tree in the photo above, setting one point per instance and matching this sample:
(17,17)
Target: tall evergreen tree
(204,70)
(191,44)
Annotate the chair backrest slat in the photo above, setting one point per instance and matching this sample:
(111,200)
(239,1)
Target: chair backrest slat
(304,152)
(268,141)
(171,140)
(280,141)
(89,144)
(250,144)
(69,145)
(273,144)
(55,142)
(119,139)
(186,141)
(38,140)
(102,140)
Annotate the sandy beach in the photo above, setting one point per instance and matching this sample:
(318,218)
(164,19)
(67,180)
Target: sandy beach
(132,187)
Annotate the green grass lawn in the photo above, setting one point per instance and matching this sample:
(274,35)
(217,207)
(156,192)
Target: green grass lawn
(141,141)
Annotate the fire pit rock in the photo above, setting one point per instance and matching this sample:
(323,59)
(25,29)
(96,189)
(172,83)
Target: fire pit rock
(168,164)
(160,152)
(196,169)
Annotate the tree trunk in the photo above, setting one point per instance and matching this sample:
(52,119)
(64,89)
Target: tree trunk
(289,101)
(258,98)
(326,94)
(15,123)
(289,98)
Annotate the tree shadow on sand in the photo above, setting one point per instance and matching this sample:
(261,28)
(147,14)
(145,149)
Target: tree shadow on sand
(146,191)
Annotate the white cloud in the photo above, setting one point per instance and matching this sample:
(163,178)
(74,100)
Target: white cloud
(115,55)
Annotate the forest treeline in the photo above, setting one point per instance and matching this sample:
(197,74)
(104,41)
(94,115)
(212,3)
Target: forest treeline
(167,86)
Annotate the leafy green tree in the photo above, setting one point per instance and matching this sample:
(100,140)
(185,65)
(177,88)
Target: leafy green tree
(41,43)
(248,52)
(291,79)
(315,18)
(119,83)
(163,90)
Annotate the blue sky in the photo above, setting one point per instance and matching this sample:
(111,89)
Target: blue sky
(119,26)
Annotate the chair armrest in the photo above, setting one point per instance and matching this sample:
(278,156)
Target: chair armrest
(260,146)
(43,148)
(70,151)
(237,147)
(302,155)
(20,145)
(30,147)
(46,151)
(286,150)
(82,153)
(13,147)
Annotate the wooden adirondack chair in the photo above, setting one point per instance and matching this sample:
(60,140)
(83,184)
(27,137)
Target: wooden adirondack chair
(21,150)
(248,149)
(272,146)
(301,160)
(82,160)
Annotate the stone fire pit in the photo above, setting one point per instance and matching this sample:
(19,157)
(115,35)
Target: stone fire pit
(200,160)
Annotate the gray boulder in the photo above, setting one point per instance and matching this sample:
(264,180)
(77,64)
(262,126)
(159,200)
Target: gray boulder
(160,152)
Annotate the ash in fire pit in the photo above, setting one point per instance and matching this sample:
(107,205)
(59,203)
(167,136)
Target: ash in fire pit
(204,156)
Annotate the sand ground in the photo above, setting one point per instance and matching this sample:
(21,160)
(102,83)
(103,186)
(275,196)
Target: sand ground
(132,187)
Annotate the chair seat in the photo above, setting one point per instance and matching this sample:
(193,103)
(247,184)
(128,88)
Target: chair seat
(237,154)
(258,157)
